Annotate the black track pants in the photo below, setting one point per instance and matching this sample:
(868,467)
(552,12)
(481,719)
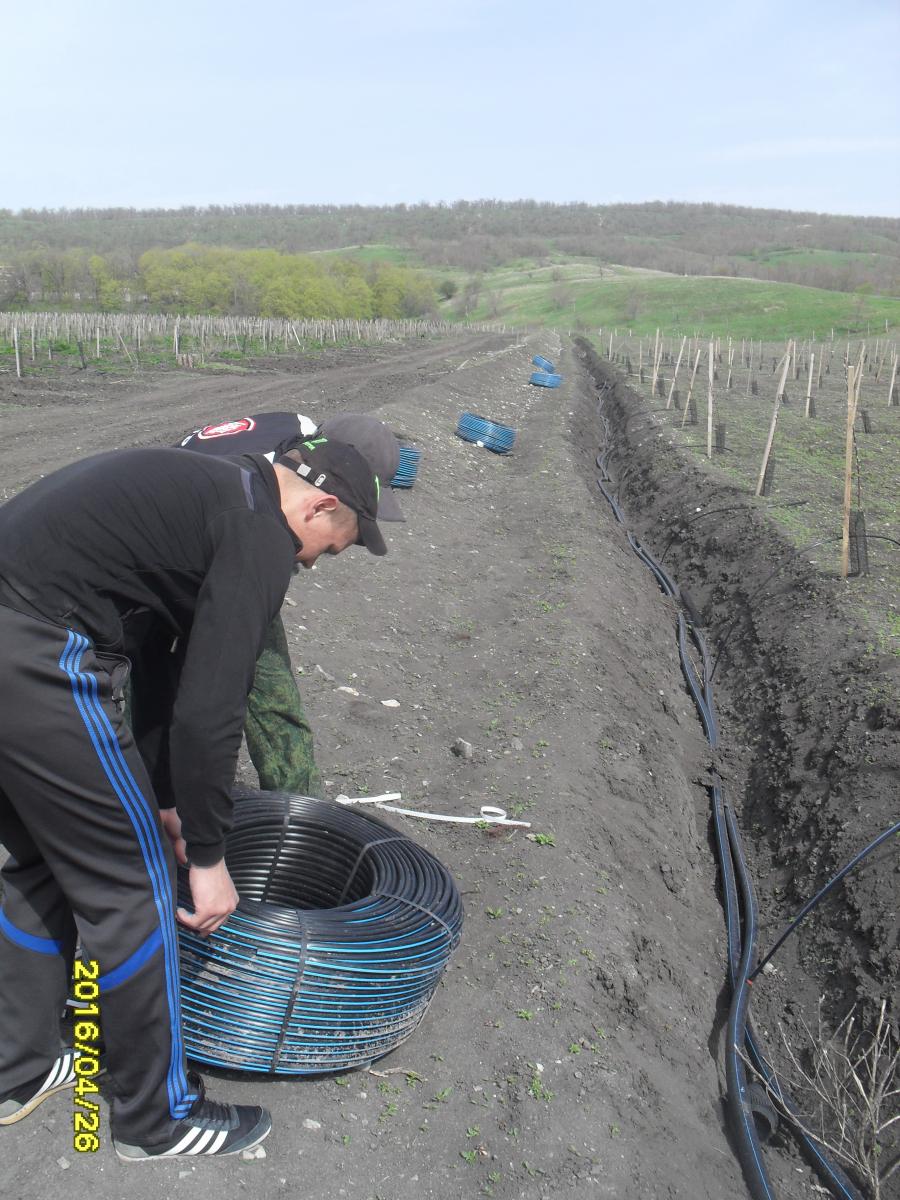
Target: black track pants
(80,821)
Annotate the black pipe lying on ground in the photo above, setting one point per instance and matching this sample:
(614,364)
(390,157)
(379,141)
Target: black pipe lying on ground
(749,1106)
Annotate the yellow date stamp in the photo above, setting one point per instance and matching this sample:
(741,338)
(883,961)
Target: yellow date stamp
(86,1117)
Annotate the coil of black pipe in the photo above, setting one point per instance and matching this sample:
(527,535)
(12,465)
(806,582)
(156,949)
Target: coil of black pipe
(342,933)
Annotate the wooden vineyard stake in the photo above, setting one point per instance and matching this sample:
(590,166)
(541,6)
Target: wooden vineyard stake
(709,405)
(768,477)
(812,359)
(848,465)
(675,376)
(890,396)
(18,356)
(689,403)
(768,450)
(128,353)
(779,396)
(859,547)
(655,364)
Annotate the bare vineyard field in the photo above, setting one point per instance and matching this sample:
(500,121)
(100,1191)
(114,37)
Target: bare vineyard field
(36,343)
(806,491)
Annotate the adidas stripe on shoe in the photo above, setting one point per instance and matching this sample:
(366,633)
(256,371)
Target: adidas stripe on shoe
(210,1128)
(25,1099)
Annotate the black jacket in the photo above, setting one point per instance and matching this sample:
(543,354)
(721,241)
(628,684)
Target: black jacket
(197,541)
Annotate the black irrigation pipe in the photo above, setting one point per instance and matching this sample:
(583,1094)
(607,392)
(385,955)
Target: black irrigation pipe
(330,961)
(823,892)
(747,1103)
(711,512)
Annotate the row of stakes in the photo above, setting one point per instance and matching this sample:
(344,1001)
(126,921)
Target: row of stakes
(500,439)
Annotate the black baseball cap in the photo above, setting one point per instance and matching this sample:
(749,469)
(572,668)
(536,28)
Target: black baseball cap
(342,471)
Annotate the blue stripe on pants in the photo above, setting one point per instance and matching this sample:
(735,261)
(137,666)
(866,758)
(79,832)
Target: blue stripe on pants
(28,941)
(126,788)
(132,964)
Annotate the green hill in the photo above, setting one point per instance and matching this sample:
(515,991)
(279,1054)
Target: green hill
(582,295)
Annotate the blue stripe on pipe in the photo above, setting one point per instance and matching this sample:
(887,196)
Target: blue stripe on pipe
(407,468)
(312,996)
(472,428)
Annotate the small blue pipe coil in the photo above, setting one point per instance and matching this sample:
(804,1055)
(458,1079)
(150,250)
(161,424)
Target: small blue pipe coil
(472,428)
(408,467)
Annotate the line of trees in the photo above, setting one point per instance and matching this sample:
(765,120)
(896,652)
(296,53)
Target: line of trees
(215,279)
(839,252)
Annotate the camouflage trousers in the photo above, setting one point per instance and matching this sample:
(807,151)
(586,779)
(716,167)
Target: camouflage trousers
(278,735)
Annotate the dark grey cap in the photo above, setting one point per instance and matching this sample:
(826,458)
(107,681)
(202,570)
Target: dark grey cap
(375,442)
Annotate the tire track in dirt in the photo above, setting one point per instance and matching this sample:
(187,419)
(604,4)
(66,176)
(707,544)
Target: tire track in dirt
(81,413)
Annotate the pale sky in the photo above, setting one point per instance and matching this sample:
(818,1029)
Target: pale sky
(789,104)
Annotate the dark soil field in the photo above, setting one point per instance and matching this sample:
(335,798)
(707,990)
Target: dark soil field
(806,495)
(574,1047)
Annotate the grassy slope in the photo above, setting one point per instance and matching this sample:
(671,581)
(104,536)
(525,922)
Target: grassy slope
(580,292)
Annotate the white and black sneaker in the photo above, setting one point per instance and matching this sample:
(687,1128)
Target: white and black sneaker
(209,1128)
(25,1099)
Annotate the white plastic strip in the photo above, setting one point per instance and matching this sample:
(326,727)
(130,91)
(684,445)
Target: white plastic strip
(489,815)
